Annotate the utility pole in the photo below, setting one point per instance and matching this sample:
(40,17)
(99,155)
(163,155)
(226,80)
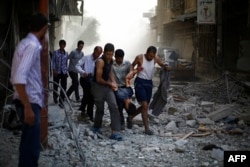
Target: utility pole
(43,7)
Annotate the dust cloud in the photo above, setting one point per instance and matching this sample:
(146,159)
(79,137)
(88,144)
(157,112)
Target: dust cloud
(120,22)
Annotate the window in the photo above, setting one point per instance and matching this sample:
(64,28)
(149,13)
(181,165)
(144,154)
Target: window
(176,4)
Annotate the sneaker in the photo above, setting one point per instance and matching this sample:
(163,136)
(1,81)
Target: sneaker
(96,130)
(129,123)
(148,132)
(116,136)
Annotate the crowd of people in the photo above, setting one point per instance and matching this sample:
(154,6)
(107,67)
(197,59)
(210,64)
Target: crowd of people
(106,79)
(102,77)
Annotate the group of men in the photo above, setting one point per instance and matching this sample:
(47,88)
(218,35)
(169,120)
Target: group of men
(61,69)
(103,79)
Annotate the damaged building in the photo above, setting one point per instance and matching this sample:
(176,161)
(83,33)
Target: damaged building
(209,36)
(203,40)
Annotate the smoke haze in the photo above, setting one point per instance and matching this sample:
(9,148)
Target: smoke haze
(120,22)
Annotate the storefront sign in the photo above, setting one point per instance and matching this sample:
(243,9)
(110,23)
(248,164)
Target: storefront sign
(206,11)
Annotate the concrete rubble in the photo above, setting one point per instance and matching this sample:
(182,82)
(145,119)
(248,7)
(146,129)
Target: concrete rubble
(181,132)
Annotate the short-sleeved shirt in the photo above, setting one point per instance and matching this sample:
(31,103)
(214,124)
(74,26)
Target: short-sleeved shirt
(74,57)
(120,72)
(26,69)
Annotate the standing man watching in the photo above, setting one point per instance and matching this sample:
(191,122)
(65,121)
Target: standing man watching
(121,68)
(102,89)
(59,66)
(85,67)
(74,57)
(144,84)
(28,89)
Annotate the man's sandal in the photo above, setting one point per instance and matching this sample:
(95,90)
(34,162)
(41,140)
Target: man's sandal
(116,136)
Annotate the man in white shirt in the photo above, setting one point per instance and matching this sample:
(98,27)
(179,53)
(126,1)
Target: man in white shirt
(28,89)
(85,67)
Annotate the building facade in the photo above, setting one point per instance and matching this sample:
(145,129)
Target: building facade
(212,35)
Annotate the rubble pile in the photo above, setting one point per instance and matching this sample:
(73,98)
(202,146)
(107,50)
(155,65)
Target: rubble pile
(224,90)
(193,130)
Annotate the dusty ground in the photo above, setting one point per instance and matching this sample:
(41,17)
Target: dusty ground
(185,135)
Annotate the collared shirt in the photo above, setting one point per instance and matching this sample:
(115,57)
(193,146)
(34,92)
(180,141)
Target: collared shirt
(86,65)
(59,61)
(120,72)
(26,69)
(74,57)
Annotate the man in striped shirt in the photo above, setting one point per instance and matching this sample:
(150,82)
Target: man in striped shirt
(28,89)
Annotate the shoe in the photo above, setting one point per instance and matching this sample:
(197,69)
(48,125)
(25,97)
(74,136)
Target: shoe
(116,136)
(96,130)
(148,132)
(129,123)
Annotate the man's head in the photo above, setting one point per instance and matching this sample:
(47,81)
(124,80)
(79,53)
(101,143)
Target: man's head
(119,55)
(97,52)
(38,25)
(62,44)
(37,22)
(151,53)
(108,51)
(80,45)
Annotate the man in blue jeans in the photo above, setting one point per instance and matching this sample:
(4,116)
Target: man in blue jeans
(28,89)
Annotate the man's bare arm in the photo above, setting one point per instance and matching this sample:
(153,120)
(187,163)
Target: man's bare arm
(160,63)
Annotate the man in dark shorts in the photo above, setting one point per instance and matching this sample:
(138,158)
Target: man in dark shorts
(144,84)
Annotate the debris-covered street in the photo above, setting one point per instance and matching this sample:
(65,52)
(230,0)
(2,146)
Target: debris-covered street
(200,120)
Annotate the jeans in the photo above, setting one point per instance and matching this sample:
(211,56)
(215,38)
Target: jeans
(122,94)
(60,79)
(29,148)
(74,86)
(88,99)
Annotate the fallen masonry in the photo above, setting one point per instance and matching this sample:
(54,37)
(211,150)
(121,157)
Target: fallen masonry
(193,131)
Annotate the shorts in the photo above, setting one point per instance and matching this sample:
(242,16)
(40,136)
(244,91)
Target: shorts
(143,89)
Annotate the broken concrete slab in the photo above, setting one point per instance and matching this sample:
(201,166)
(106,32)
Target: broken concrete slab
(225,111)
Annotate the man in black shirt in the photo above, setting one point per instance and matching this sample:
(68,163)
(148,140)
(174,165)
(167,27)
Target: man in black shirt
(103,88)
